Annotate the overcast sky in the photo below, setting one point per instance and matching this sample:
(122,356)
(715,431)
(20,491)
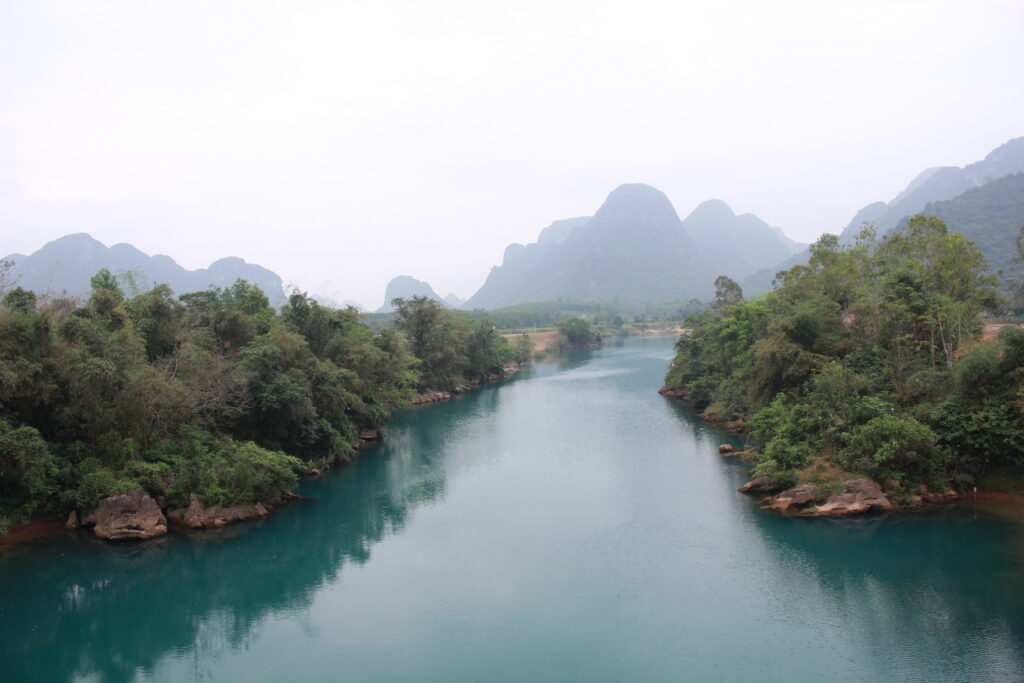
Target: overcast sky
(342,143)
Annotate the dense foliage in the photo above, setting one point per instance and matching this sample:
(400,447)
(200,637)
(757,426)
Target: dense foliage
(212,393)
(452,349)
(867,360)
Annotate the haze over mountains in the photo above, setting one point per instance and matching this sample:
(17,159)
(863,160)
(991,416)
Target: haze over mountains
(635,249)
(65,266)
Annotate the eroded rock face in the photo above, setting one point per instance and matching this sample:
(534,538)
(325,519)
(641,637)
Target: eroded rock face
(759,485)
(126,516)
(197,516)
(791,499)
(858,496)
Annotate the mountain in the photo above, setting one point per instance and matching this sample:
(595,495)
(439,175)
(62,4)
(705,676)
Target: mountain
(453,301)
(405,287)
(991,216)
(736,245)
(938,184)
(559,231)
(65,266)
(635,249)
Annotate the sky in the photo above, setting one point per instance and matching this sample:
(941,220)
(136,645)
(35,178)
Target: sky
(342,143)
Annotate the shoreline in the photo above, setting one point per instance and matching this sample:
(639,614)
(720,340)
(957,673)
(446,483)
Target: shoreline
(49,526)
(1006,505)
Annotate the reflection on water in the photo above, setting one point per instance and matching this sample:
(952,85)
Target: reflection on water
(570,525)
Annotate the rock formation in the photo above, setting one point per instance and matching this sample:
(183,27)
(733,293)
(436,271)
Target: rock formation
(197,515)
(126,516)
(857,496)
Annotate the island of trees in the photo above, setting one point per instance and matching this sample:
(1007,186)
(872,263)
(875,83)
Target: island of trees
(866,364)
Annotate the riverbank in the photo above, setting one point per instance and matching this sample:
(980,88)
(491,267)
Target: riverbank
(824,491)
(138,516)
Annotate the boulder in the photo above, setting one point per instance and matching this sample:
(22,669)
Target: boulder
(857,496)
(197,515)
(125,516)
(796,497)
(759,485)
(725,448)
(72,522)
(369,434)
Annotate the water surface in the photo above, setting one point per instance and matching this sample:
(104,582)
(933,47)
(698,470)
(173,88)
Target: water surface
(571,525)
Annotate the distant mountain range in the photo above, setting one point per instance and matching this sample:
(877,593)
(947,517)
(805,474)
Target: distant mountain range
(64,267)
(635,249)
(989,213)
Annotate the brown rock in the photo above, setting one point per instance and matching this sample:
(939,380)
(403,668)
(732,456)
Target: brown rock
(725,448)
(796,497)
(196,515)
(430,397)
(672,393)
(72,522)
(369,434)
(759,485)
(127,516)
(929,496)
(858,496)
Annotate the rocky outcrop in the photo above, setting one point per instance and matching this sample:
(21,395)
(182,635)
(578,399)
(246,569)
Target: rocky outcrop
(858,496)
(197,516)
(725,448)
(672,393)
(430,397)
(759,485)
(929,496)
(127,516)
(792,500)
(72,522)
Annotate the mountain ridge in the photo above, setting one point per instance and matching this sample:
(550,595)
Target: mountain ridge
(66,264)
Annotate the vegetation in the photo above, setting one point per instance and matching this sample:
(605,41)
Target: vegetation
(866,361)
(451,348)
(213,393)
(577,333)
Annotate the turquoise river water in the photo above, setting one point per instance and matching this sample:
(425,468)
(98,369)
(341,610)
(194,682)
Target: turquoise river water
(570,525)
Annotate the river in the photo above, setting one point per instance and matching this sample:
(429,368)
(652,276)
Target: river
(570,525)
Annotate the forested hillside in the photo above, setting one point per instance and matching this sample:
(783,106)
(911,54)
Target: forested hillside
(866,361)
(991,216)
(986,216)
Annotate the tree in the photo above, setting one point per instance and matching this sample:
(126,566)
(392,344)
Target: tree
(577,333)
(727,294)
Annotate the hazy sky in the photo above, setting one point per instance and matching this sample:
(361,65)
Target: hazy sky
(342,143)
